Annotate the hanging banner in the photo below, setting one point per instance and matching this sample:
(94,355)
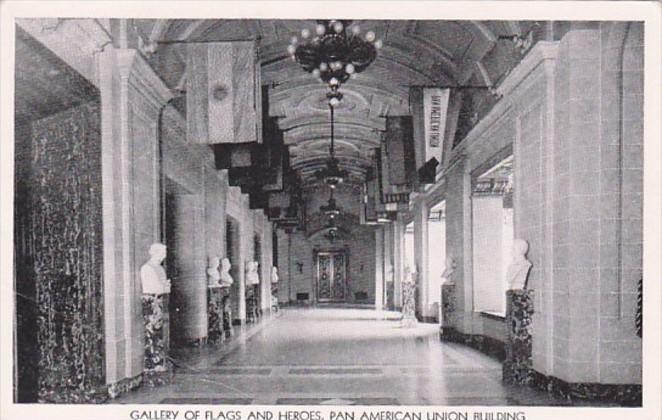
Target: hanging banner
(435,107)
(223,93)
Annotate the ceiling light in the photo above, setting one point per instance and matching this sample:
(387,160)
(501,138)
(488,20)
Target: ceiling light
(336,52)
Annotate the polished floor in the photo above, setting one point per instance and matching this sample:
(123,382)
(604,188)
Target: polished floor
(336,356)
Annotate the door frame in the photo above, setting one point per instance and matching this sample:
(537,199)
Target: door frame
(316,277)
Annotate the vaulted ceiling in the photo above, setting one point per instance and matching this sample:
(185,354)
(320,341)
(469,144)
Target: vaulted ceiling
(414,53)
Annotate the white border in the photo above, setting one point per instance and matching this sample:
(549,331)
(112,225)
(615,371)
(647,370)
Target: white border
(650,12)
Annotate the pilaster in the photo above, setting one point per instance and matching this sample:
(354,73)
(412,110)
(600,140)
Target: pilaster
(131,98)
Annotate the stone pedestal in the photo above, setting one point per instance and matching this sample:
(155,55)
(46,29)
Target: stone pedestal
(158,369)
(409,305)
(519,310)
(226,304)
(274,297)
(215,331)
(447,310)
(252,303)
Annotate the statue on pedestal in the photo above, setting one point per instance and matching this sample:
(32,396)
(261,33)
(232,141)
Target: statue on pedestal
(409,299)
(155,289)
(274,288)
(152,275)
(252,280)
(213,274)
(518,270)
(226,282)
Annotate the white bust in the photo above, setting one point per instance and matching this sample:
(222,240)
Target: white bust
(152,275)
(274,274)
(448,270)
(213,275)
(226,278)
(518,270)
(410,275)
(252,277)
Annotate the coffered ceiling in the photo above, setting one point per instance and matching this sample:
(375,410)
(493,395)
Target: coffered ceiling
(414,53)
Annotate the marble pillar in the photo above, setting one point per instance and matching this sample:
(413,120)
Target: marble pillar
(517,368)
(215,328)
(158,369)
(132,95)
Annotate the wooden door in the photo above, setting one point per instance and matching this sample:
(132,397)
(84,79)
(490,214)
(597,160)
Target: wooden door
(331,277)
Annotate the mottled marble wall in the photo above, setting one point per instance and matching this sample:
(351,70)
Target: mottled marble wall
(66,238)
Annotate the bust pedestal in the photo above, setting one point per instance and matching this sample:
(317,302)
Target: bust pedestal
(215,328)
(226,305)
(158,369)
(252,303)
(408,305)
(447,310)
(519,311)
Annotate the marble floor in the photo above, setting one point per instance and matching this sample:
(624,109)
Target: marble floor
(338,356)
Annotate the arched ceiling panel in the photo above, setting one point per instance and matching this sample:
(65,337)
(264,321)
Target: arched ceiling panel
(414,53)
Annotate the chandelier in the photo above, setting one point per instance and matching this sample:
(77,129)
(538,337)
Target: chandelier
(336,52)
(332,175)
(330,210)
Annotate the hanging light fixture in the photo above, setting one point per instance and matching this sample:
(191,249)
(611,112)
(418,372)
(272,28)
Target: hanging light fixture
(332,175)
(336,51)
(330,210)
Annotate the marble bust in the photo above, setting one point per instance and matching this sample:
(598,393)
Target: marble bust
(252,277)
(446,275)
(518,270)
(213,275)
(152,275)
(226,279)
(410,275)
(274,274)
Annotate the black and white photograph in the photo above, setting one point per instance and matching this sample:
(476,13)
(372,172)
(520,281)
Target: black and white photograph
(330,207)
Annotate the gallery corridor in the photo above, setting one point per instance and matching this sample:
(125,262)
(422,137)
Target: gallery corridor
(240,211)
(341,357)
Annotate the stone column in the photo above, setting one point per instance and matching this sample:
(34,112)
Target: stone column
(189,287)
(158,369)
(131,98)
(398,262)
(421,257)
(379,269)
(519,311)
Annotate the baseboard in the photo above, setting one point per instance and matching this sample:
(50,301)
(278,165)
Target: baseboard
(123,386)
(484,344)
(628,395)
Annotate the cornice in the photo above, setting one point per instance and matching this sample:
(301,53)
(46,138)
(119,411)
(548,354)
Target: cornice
(542,53)
(132,66)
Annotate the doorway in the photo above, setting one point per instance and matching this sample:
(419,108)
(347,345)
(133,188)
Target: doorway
(331,276)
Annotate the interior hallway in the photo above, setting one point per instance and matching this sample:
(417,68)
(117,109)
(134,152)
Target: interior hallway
(337,356)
